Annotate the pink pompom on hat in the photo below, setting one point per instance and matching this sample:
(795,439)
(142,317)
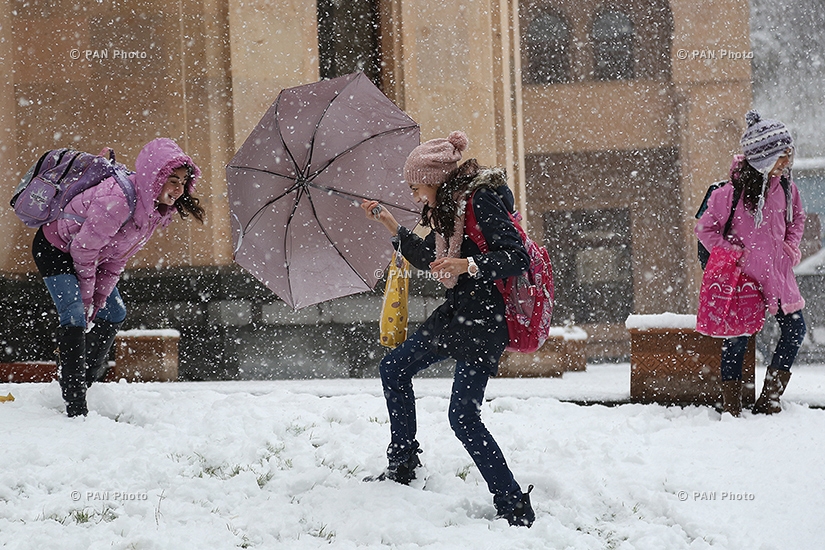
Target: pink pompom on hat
(431,162)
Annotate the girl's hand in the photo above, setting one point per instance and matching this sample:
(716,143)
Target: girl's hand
(447,268)
(374,211)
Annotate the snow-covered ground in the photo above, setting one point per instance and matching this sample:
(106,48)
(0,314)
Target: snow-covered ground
(279,465)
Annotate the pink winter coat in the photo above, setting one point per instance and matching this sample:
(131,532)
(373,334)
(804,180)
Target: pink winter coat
(771,250)
(101,245)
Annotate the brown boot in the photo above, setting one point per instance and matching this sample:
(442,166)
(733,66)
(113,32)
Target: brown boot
(732,397)
(776,381)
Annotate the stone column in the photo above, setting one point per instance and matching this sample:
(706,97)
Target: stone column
(461,72)
(711,71)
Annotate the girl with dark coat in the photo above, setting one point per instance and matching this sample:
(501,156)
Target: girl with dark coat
(81,255)
(469,326)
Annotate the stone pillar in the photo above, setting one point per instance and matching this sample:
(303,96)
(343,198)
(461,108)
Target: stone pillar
(274,45)
(17,237)
(459,73)
(711,71)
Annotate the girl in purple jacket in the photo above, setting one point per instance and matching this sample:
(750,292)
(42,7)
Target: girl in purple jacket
(82,254)
(767,224)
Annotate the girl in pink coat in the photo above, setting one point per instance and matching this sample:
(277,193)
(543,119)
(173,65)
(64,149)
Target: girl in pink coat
(82,254)
(767,224)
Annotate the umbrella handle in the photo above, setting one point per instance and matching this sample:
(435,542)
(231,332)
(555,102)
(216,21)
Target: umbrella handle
(375,211)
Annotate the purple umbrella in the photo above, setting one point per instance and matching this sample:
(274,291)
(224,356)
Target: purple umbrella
(297,181)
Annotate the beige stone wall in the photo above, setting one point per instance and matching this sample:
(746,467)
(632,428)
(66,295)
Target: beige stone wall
(213,67)
(274,45)
(694,104)
(210,69)
(120,76)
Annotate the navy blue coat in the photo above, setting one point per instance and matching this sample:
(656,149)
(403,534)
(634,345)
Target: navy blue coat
(469,326)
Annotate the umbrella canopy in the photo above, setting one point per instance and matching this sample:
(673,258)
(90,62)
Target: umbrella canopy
(296,183)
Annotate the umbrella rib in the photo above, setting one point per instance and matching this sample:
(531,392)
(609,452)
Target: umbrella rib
(287,258)
(323,229)
(299,170)
(349,150)
(348,195)
(256,216)
(321,119)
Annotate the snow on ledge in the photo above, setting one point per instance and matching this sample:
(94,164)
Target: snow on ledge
(812,265)
(661,320)
(152,333)
(568,333)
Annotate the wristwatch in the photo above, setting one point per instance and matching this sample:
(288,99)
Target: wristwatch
(472,268)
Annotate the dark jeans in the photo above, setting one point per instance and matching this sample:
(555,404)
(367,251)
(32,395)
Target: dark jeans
(793,330)
(469,383)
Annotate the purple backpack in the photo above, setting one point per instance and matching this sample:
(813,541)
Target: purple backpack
(58,177)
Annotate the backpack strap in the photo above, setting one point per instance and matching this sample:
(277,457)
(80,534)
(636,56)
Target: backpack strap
(472,230)
(122,178)
(733,204)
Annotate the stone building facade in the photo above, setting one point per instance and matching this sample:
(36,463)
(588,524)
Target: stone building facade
(611,119)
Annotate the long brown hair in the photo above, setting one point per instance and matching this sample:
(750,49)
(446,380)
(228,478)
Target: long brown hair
(186,203)
(441,217)
(747,181)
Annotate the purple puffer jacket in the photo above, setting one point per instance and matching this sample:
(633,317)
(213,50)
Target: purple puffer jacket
(771,250)
(102,244)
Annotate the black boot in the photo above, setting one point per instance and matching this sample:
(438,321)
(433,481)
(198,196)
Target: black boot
(522,515)
(71,342)
(400,472)
(99,343)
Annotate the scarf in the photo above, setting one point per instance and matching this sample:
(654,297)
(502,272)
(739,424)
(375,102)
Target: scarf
(452,249)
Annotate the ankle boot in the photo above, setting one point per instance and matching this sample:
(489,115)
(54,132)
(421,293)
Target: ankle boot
(732,397)
(776,381)
(99,343)
(522,514)
(71,342)
(399,472)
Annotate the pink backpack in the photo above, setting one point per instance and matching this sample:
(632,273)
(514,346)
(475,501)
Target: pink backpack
(528,298)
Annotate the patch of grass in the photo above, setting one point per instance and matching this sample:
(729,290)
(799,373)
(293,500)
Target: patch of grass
(323,533)
(85,515)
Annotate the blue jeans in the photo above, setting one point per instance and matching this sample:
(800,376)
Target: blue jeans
(793,330)
(469,384)
(65,292)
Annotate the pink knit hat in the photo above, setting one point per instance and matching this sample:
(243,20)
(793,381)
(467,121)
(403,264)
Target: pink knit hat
(432,161)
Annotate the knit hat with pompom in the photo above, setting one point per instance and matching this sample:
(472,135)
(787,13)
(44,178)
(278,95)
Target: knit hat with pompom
(764,141)
(431,162)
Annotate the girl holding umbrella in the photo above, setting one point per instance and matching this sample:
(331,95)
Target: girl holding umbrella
(469,326)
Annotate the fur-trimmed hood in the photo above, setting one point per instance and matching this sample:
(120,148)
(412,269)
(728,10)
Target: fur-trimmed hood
(495,179)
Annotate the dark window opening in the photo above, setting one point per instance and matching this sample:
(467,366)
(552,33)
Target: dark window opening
(613,46)
(591,254)
(348,38)
(546,46)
